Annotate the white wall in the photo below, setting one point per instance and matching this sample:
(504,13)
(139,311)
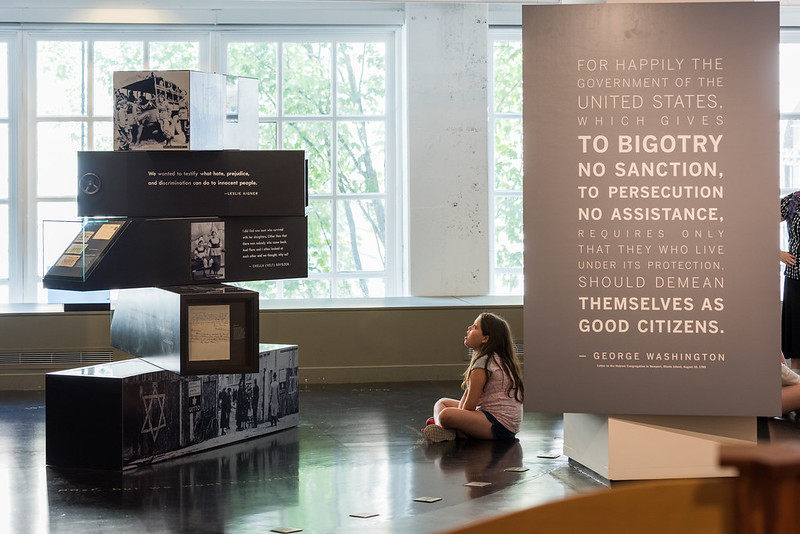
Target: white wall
(447,83)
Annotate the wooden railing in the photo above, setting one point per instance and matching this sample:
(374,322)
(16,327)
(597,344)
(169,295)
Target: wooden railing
(763,499)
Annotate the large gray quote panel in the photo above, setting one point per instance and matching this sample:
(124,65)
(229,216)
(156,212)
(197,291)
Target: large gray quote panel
(651,208)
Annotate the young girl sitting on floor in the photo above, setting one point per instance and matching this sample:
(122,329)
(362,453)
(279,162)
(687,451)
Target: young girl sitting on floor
(491,406)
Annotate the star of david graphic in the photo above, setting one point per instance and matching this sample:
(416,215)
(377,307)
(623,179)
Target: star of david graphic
(147,426)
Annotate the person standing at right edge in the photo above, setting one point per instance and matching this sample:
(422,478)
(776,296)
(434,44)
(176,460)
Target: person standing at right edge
(790,312)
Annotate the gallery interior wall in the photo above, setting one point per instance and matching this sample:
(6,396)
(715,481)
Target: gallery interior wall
(352,352)
(447,211)
(336,345)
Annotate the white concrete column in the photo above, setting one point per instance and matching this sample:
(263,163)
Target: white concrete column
(447,84)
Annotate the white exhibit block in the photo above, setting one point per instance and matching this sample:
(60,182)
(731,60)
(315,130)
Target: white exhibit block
(184,110)
(641,447)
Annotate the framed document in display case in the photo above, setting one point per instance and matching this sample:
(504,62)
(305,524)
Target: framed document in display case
(189,329)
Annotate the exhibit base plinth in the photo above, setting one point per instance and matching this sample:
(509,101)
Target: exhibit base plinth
(131,413)
(642,447)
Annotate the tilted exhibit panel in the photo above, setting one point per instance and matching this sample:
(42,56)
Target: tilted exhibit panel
(88,246)
(219,183)
(189,329)
(128,253)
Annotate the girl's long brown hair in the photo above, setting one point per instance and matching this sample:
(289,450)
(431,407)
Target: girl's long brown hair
(500,343)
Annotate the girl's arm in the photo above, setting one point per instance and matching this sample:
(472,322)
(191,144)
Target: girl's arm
(477,379)
(464,396)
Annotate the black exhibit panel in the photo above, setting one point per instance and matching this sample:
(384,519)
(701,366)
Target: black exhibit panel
(126,253)
(241,183)
(173,218)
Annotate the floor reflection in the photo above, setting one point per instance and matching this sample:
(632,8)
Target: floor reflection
(480,461)
(209,489)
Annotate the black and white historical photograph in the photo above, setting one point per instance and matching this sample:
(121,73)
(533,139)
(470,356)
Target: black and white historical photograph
(169,415)
(208,250)
(151,110)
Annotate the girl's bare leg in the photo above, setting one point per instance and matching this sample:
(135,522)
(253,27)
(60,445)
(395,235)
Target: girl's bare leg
(469,422)
(440,405)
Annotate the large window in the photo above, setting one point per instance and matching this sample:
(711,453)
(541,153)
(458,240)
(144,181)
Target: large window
(790,111)
(505,183)
(790,120)
(7,221)
(72,111)
(331,95)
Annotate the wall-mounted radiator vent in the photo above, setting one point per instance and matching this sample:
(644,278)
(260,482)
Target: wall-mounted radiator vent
(518,346)
(56,359)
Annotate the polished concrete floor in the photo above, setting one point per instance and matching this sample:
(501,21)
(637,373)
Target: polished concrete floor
(357,450)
